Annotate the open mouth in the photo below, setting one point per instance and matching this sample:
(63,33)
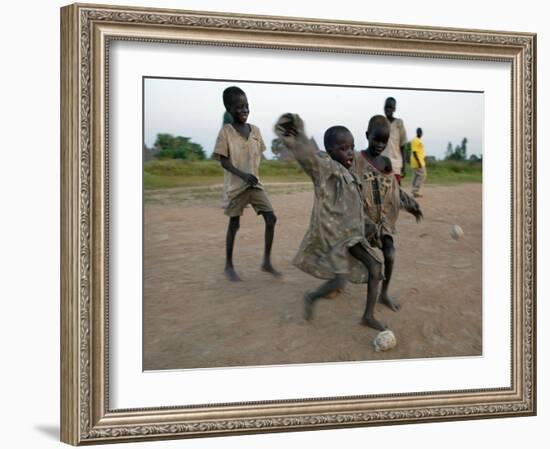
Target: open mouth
(348,162)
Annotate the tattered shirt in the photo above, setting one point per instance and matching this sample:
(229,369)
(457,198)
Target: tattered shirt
(380,196)
(336,221)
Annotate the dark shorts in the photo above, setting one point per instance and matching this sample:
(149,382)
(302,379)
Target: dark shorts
(257,198)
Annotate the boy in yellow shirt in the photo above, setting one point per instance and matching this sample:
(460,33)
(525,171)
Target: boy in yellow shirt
(418,163)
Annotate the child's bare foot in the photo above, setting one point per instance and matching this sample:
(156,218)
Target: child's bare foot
(308,306)
(375,324)
(231,275)
(389,302)
(268,268)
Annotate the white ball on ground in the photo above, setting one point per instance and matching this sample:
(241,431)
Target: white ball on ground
(456,232)
(384,341)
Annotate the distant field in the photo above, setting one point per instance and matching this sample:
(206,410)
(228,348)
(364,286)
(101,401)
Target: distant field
(160,174)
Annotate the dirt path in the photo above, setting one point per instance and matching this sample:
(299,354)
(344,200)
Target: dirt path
(194,318)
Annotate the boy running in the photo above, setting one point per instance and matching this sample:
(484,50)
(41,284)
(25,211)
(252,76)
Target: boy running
(239,148)
(382,198)
(334,247)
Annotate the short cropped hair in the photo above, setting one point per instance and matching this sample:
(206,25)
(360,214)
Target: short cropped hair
(332,133)
(390,99)
(377,121)
(230,93)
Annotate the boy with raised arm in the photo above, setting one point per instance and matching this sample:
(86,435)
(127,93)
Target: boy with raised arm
(334,246)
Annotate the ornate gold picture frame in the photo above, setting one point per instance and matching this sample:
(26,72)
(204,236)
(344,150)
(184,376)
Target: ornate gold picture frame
(87,32)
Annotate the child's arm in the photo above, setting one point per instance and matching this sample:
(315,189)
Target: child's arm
(410,205)
(386,166)
(290,129)
(417,159)
(246,177)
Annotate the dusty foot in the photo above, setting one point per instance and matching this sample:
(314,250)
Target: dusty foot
(389,302)
(375,324)
(231,275)
(268,268)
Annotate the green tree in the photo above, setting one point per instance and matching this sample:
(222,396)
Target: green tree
(168,146)
(463,152)
(459,153)
(449,151)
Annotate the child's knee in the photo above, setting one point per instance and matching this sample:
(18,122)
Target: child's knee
(388,250)
(234,224)
(270,218)
(340,282)
(375,273)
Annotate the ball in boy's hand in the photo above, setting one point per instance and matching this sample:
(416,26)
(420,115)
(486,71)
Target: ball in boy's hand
(456,232)
(384,341)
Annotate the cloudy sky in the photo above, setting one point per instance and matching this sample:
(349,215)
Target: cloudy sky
(194,108)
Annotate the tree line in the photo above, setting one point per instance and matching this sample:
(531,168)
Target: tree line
(167,146)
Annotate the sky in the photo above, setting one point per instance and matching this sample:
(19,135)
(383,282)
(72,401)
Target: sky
(194,109)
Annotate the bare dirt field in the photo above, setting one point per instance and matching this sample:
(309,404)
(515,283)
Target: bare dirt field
(193,317)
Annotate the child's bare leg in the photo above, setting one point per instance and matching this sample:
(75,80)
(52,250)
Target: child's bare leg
(232,229)
(389,257)
(374,270)
(324,290)
(270,220)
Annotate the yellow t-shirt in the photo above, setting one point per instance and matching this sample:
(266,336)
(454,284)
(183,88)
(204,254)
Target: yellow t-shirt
(417,147)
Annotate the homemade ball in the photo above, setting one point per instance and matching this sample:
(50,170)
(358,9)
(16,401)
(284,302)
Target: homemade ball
(384,341)
(456,232)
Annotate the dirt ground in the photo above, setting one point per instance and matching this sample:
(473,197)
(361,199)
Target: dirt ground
(194,318)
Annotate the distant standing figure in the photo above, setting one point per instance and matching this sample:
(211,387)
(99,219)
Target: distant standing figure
(418,163)
(395,149)
(239,148)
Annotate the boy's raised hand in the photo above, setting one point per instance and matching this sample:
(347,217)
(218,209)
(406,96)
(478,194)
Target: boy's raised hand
(290,128)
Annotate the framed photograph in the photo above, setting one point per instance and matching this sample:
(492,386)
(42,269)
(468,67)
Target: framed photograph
(189,304)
